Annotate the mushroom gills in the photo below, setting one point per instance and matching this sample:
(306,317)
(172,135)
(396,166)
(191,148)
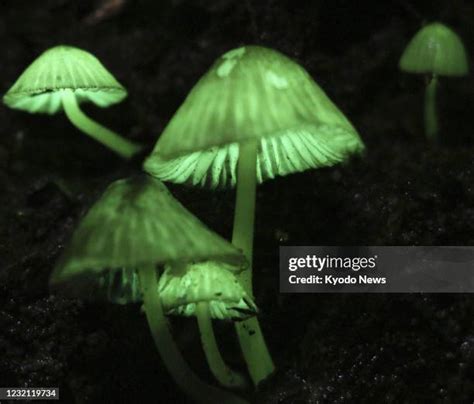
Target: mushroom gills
(121,286)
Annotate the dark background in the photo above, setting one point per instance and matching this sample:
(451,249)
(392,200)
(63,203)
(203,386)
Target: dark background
(328,348)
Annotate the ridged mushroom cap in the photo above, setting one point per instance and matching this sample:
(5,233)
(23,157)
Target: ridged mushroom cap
(208,282)
(63,68)
(135,223)
(435,49)
(252,93)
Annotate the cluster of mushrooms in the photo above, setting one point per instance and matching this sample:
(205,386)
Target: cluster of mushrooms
(255,115)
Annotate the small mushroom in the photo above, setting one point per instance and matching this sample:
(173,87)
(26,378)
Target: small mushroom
(210,283)
(62,78)
(208,290)
(254,115)
(135,227)
(434,51)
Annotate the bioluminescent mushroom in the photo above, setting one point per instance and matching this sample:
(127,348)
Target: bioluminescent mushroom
(208,290)
(62,78)
(254,115)
(120,244)
(435,51)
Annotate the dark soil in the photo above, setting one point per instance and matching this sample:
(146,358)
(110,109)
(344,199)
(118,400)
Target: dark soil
(328,348)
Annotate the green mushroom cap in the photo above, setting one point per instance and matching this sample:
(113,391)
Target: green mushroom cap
(63,68)
(252,93)
(136,222)
(211,282)
(435,49)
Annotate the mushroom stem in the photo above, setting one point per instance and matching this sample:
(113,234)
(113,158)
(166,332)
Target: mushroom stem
(431,118)
(182,374)
(244,216)
(225,376)
(112,140)
(259,362)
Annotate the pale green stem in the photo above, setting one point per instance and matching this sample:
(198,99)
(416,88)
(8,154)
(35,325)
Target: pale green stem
(224,375)
(431,118)
(252,342)
(108,138)
(182,374)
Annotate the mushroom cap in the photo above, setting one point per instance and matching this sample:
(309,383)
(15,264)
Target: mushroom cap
(136,223)
(252,93)
(38,89)
(211,282)
(435,49)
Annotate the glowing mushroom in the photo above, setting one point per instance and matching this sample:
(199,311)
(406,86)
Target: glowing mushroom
(64,77)
(254,115)
(208,290)
(435,51)
(120,244)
